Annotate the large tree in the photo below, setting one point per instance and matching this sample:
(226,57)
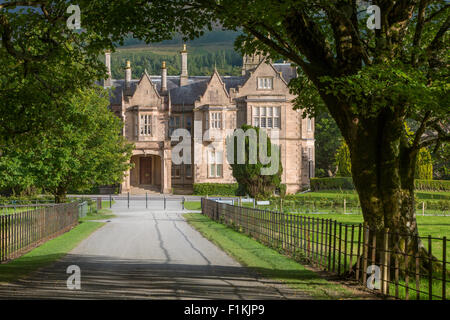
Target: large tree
(82,149)
(41,62)
(248,173)
(370,81)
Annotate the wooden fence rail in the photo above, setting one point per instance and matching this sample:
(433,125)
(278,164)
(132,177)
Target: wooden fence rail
(22,231)
(349,250)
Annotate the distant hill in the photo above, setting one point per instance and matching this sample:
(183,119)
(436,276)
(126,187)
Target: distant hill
(215,48)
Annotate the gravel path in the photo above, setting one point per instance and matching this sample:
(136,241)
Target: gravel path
(145,254)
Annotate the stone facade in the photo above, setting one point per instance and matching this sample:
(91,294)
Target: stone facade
(208,107)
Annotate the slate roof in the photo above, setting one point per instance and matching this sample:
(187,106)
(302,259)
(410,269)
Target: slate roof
(196,87)
(287,71)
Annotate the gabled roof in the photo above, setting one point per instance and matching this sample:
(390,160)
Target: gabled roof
(287,71)
(197,85)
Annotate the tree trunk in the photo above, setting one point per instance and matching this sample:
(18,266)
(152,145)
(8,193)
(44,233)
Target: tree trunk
(383,164)
(60,195)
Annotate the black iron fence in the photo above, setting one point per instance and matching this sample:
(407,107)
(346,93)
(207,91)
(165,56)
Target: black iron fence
(398,265)
(22,231)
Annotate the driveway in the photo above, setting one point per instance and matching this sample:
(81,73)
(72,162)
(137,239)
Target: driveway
(148,254)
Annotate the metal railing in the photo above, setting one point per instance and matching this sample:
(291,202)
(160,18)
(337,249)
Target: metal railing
(22,231)
(398,265)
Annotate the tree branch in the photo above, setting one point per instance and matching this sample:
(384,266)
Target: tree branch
(421,130)
(22,4)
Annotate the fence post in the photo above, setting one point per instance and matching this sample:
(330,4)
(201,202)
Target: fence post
(444,268)
(164,202)
(146,200)
(128,197)
(430,271)
(365,252)
(385,262)
(183,203)
(110,201)
(99,203)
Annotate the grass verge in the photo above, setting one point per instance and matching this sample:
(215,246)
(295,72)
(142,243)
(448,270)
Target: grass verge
(47,253)
(193,205)
(101,214)
(268,262)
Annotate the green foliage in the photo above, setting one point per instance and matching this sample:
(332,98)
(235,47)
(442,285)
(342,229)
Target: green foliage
(345,183)
(249,176)
(83,148)
(424,165)
(343,161)
(441,162)
(432,185)
(200,62)
(222,189)
(327,137)
(341,183)
(283,189)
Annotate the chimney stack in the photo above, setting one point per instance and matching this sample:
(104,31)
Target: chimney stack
(128,75)
(107,83)
(184,67)
(163,77)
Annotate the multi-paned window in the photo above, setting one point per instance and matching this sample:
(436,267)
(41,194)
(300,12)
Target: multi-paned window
(265,83)
(215,165)
(174,123)
(145,125)
(216,120)
(266,117)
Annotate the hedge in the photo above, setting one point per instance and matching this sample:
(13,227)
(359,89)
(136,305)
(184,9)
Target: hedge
(346,183)
(342,183)
(223,189)
(432,185)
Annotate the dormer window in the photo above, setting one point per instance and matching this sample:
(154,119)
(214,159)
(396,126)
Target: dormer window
(265,83)
(145,125)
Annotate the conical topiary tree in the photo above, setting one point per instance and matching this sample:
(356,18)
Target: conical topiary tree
(343,161)
(424,165)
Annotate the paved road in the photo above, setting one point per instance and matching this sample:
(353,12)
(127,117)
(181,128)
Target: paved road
(145,254)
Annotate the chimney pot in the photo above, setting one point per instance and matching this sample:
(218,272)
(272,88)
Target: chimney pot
(163,77)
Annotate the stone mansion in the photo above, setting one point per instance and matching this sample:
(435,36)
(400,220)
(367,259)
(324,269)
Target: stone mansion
(153,106)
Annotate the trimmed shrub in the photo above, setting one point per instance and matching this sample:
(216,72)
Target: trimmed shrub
(343,161)
(424,165)
(222,189)
(339,183)
(432,185)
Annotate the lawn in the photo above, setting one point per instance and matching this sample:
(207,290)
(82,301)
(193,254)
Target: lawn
(192,205)
(47,253)
(101,214)
(268,262)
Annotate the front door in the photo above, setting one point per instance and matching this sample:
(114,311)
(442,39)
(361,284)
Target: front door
(146,170)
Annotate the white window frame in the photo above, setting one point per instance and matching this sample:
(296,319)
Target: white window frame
(309,124)
(214,164)
(215,120)
(262,116)
(265,83)
(145,124)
